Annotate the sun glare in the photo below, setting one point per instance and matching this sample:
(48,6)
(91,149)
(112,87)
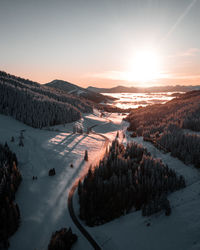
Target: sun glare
(145,66)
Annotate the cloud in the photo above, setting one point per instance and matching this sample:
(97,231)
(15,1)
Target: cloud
(114,75)
(191,52)
(186,77)
(121,75)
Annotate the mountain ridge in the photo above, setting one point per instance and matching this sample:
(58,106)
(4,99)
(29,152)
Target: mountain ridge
(37,105)
(124,89)
(78,91)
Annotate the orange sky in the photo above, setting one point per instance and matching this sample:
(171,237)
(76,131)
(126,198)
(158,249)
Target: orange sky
(97,42)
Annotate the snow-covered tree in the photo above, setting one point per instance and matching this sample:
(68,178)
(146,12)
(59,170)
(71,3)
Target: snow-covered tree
(126,177)
(86,156)
(10,179)
(37,105)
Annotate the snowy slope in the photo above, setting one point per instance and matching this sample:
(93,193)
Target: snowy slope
(43,202)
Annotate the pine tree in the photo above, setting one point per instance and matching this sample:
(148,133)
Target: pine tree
(86,156)
(79,187)
(21,144)
(117,135)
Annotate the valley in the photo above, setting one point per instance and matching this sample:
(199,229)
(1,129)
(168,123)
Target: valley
(43,202)
(57,138)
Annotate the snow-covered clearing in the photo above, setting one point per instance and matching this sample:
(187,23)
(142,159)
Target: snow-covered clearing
(43,202)
(179,231)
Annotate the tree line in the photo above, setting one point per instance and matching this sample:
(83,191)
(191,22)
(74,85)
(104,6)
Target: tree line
(164,124)
(37,105)
(183,111)
(10,179)
(184,146)
(127,177)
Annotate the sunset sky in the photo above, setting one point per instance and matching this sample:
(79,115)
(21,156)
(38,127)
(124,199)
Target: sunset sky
(102,42)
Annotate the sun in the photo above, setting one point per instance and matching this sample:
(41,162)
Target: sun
(145,66)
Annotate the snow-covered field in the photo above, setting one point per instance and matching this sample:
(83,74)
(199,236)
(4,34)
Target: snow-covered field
(43,202)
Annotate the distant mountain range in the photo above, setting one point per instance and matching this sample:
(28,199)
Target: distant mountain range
(123,89)
(77,91)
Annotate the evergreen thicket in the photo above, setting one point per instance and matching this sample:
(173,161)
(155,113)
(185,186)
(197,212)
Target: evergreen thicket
(62,240)
(128,177)
(186,147)
(10,179)
(183,111)
(37,105)
(164,125)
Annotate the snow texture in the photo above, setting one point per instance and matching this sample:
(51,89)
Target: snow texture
(43,202)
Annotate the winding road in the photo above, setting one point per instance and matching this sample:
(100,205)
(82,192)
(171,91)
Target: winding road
(85,233)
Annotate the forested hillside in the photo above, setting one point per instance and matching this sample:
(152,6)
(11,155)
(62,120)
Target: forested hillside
(75,90)
(38,105)
(10,179)
(165,124)
(128,177)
